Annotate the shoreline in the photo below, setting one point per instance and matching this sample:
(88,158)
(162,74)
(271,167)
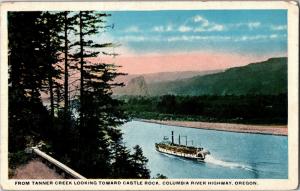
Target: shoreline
(279,130)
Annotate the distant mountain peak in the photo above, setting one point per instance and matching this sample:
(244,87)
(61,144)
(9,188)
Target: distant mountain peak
(137,86)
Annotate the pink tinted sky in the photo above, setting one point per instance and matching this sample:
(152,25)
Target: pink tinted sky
(193,61)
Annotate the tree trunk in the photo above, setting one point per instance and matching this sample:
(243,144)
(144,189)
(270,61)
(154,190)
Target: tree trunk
(51,95)
(66,94)
(50,76)
(81,69)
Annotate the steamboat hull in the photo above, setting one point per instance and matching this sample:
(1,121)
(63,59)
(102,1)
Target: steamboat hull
(179,150)
(180,155)
(198,156)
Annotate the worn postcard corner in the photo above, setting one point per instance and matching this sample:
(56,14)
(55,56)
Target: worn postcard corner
(153,95)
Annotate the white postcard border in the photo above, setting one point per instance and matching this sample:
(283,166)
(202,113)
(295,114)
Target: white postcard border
(293,68)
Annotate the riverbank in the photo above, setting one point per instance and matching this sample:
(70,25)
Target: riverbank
(241,128)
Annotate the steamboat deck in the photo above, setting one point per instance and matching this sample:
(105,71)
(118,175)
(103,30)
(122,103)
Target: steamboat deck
(185,151)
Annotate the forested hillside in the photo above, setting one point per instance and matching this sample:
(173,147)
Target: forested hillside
(256,93)
(267,78)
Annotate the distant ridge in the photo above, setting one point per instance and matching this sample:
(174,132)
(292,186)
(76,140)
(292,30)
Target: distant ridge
(165,76)
(137,84)
(266,78)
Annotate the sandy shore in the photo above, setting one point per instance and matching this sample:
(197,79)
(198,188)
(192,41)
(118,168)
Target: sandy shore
(258,129)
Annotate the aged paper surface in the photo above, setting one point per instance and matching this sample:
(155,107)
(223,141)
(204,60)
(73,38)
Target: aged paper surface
(210,95)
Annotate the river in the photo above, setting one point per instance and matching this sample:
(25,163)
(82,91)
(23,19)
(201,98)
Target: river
(233,155)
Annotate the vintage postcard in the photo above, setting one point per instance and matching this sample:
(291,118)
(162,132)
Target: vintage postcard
(171,95)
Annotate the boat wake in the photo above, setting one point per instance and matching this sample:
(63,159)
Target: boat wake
(210,159)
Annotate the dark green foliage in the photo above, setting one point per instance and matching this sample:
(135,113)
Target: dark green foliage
(127,165)
(17,158)
(91,144)
(27,70)
(122,164)
(63,137)
(139,163)
(100,114)
(26,80)
(160,176)
(50,27)
(28,121)
(93,141)
(242,109)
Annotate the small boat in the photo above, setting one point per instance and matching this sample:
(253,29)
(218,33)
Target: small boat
(177,149)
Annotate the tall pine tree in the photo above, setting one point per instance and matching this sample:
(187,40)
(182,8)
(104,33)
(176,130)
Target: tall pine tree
(26,79)
(51,27)
(40,56)
(99,113)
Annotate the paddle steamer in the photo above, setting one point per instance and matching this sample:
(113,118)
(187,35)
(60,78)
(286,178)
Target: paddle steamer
(177,149)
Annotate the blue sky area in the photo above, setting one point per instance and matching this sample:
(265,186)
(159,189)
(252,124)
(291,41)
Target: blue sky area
(258,32)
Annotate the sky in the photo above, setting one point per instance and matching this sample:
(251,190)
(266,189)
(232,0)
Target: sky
(167,41)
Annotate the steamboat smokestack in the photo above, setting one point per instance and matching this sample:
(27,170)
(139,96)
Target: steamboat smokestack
(172,137)
(179,140)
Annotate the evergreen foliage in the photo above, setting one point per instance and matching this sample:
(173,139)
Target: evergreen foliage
(26,81)
(139,163)
(130,165)
(41,55)
(254,109)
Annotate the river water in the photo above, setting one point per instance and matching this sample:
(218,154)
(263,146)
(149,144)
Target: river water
(233,155)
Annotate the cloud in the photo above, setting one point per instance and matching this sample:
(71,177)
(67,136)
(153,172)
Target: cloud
(161,28)
(278,27)
(169,28)
(193,38)
(158,28)
(199,19)
(203,25)
(131,38)
(250,25)
(253,25)
(197,37)
(273,36)
(258,37)
(132,29)
(215,27)
(138,38)
(196,23)
(184,28)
